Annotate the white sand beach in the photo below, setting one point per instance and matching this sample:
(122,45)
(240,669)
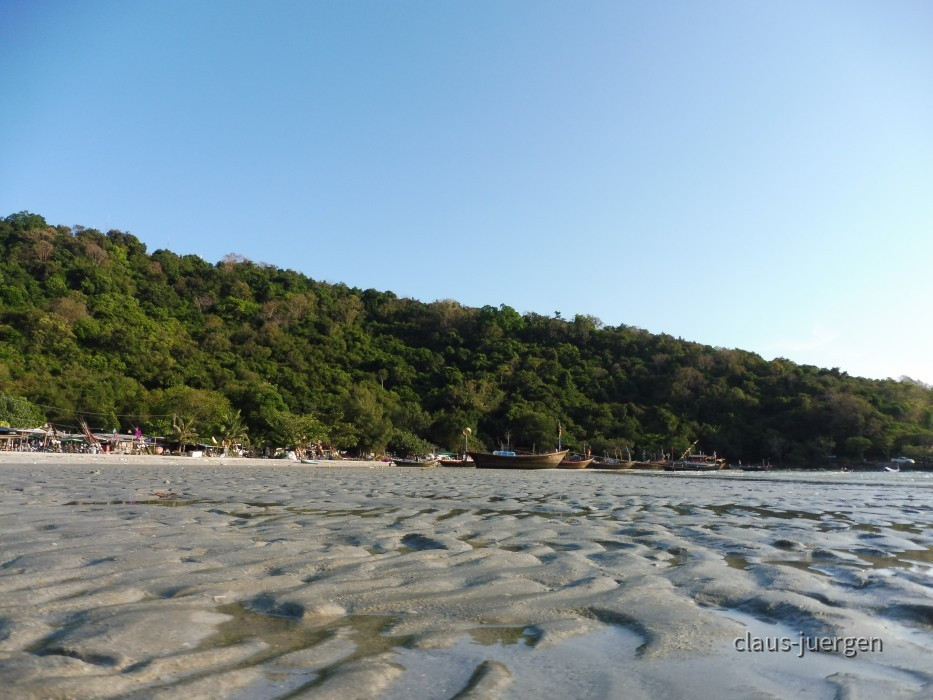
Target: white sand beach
(176,577)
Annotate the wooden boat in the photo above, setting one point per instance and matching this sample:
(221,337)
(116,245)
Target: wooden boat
(456,463)
(510,460)
(696,462)
(655,466)
(692,463)
(414,462)
(613,464)
(575,462)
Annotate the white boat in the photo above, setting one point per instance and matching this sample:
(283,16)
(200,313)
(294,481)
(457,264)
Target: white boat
(897,463)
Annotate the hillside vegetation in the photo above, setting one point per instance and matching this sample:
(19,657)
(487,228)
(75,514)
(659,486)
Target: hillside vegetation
(93,325)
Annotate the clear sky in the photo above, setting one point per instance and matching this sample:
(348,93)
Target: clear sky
(742,174)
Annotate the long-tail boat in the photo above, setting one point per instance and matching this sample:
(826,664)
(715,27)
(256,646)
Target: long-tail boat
(575,462)
(456,463)
(414,462)
(614,464)
(655,465)
(510,460)
(696,462)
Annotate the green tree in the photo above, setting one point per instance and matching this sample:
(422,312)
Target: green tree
(533,427)
(203,409)
(857,446)
(183,431)
(296,431)
(17,412)
(404,443)
(231,429)
(367,407)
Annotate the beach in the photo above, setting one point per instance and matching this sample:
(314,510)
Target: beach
(151,577)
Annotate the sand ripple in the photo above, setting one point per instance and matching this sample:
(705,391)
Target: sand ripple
(149,578)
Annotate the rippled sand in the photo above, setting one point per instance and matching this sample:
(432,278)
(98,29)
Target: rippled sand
(168,577)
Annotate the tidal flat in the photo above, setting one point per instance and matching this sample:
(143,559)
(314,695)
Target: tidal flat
(166,577)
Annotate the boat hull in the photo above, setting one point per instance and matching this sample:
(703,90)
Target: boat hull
(693,467)
(485,460)
(414,463)
(579,464)
(614,465)
(456,463)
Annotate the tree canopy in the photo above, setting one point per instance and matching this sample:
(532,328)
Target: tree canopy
(92,324)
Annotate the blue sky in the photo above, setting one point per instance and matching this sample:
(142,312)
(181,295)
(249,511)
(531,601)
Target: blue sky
(743,174)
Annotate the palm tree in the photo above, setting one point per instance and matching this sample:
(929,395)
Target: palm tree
(183,430)
(232,429)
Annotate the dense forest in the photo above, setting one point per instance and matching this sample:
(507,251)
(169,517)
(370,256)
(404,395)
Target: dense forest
(94,327)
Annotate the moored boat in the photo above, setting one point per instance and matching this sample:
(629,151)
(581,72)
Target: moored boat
(614,464)
(456,463)
(696,462)
(575,462)
(511,460)
(653,465)
(702,463)
(899,462)
(414,462)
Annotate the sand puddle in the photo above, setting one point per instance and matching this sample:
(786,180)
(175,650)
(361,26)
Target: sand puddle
(298,656)
(742,509)
(584,666)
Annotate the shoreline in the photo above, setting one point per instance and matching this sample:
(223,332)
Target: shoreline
(179,460)
(173,460)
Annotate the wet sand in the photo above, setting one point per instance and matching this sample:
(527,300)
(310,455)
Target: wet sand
(154,577)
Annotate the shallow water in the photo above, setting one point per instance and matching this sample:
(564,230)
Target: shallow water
(269,582)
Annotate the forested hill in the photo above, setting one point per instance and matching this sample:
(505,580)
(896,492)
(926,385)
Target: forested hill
(92,325)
